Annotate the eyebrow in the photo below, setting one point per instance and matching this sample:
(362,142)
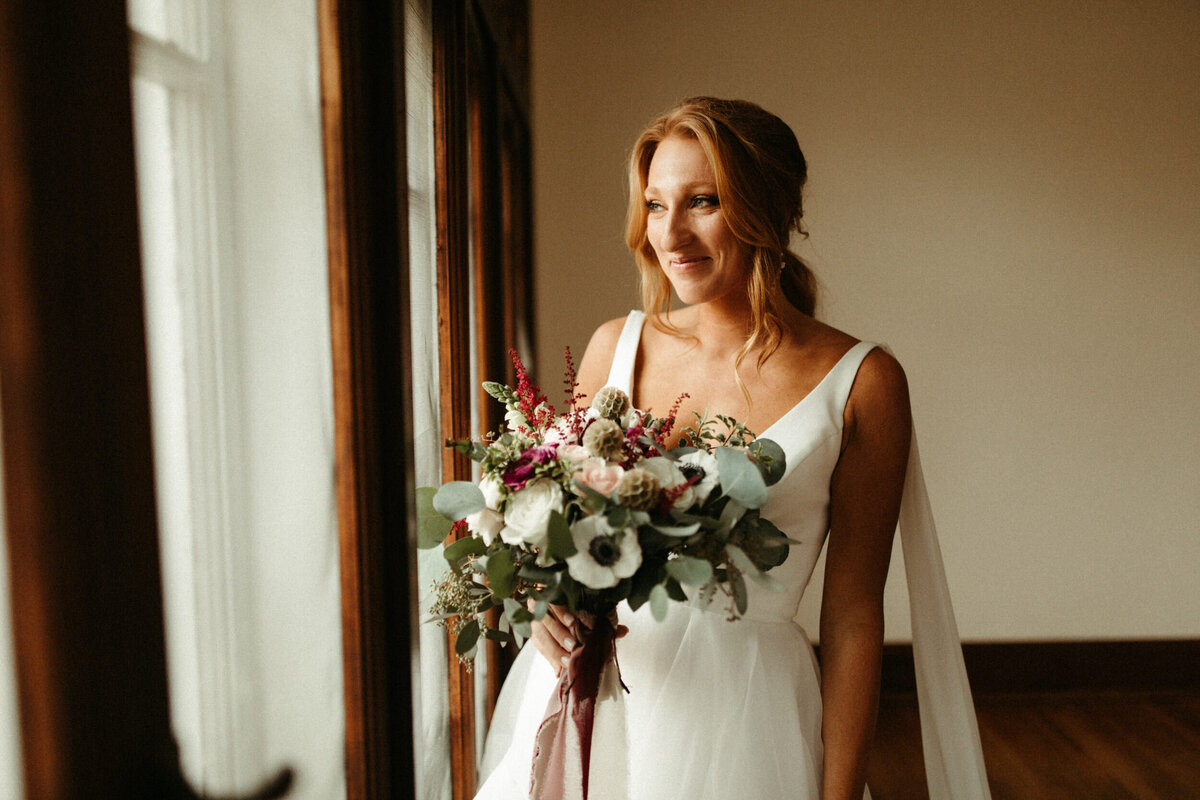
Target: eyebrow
(702,187)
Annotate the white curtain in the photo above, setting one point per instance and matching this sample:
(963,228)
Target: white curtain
(432,724)
(231,194)
(10,732)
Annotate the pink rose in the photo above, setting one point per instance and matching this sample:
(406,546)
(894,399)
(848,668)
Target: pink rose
(573,454)
(597,474)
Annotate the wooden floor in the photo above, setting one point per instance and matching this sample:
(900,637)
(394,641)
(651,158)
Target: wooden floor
(1088,745)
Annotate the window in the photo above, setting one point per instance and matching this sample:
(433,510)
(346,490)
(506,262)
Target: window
(232,209)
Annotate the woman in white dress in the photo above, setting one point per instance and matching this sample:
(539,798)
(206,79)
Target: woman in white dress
(720,709)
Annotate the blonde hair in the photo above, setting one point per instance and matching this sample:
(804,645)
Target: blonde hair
(760,174)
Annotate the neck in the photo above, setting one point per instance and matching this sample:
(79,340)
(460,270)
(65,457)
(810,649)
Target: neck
(721,325)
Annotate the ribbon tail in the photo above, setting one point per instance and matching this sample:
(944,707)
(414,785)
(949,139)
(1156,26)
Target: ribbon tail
(563,744)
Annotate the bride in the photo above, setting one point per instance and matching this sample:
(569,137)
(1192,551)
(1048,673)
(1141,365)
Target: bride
(720,709)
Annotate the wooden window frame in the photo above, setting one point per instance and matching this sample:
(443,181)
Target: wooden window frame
(484,224)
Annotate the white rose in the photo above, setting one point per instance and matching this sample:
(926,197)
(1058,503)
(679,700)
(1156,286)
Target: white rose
(527,514)
(486,524)
(515,419)
(493,491)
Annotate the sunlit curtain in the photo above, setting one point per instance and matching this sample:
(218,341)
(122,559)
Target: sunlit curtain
(10,732)
(231,198)
(432,703)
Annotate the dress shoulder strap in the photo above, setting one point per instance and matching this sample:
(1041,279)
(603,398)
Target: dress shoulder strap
(840,380)
(620,374)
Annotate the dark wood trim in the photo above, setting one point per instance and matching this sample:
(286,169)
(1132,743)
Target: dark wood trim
(450,56)
(362,85)
(79,482)
(1118,666)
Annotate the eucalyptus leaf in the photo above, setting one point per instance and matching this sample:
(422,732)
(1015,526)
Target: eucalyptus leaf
(588,492)
(743,562)
(432,526)
(772,462)
(618,517)
(731,514)
(658,602)
(740,560)
(500,572)
(690,571)
(467,637)
(740,479)
(498,636)
(559,540)
(677,531)
(457,499)
(460,548)
(536,574)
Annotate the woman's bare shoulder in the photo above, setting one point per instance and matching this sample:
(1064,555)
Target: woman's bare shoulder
(597,358)
(880,387)
(880,391)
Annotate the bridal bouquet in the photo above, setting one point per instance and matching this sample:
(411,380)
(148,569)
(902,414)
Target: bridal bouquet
(589,507)
(585,509)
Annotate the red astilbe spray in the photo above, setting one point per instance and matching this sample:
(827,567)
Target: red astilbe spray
(668,422)
(576,415)
(530,400)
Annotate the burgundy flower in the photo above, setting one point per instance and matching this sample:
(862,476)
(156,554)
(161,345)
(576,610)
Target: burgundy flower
(521,470)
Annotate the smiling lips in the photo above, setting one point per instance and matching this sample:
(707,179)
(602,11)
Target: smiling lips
(684,264)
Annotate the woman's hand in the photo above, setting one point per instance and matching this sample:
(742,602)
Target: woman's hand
(559,632)
(554,635)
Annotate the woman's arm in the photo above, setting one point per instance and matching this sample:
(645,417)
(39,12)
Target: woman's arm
(864,503)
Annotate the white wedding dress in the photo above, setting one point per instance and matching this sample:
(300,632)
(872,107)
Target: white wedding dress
(719,710)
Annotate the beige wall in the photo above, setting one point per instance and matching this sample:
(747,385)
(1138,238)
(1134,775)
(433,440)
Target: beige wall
(1005,193)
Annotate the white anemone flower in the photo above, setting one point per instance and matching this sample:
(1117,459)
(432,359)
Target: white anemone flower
(703,464)
(669,476)
(603,556)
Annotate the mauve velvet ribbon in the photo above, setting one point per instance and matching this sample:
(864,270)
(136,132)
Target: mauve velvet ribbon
(563,744)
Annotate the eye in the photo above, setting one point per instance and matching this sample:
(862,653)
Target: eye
(653,205)
(705,201)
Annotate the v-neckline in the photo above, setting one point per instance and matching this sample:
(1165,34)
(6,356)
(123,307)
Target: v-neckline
(764,434)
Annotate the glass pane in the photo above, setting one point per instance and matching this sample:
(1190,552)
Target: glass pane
(182,23)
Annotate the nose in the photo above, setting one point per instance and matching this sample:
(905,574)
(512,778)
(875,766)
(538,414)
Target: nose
(676,230)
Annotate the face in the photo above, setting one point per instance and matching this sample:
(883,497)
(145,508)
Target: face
(701,257)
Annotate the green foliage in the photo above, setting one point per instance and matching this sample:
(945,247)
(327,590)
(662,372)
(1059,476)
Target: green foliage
(458,499)
(740,478)
(560,543)
(432,527)
(690,571)
(464,645)
(462,548)
(500,571)
(770,459)
(658,602)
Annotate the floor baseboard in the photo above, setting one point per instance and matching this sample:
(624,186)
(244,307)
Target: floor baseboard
(1151,665)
